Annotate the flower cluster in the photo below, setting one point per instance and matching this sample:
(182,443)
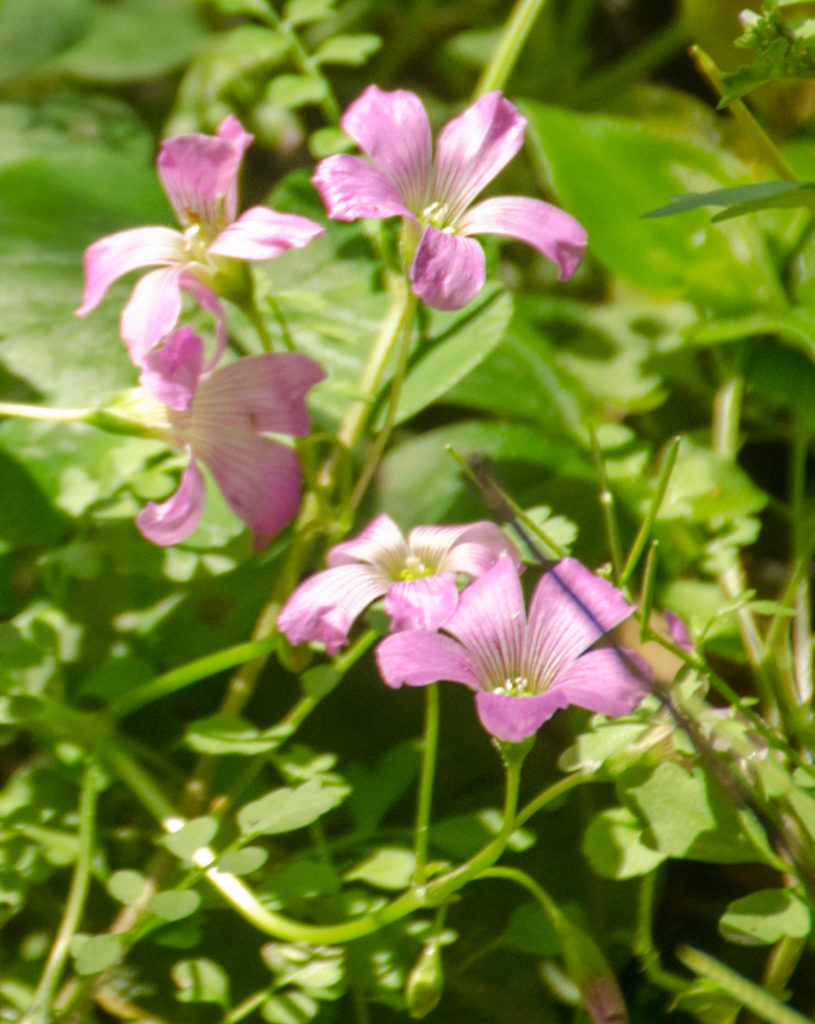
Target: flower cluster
(522,668)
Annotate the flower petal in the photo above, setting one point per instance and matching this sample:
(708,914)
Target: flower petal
(490,622)
(111,257)
(448,270)
(199,174)
(233,132)
(511,718)
(553,232)
(393,130)
(152,311)
(262,234)
(417,658)
(570,610)
(325,605)
(425,603)
(470,549)
(171,372)
(473,148)
(609,680)
(258,393)
(380,544)
(175,518)
(351,188)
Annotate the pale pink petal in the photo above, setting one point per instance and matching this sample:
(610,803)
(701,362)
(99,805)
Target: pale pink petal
(472,149)
(417,658)
(209,301)
(609,680)
(553,232)
(511,718)
(351,188)
(381,544)
(152,311)
(115,255)
(469,549)
(490,622)
(325,606)
(448,270)
(425,603)
(233,132)
(265,392)
(261,234)
(677,630)
(175,518)
(171,372)
(393,130)
(570,610)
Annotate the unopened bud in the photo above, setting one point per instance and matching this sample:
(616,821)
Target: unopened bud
(425,982)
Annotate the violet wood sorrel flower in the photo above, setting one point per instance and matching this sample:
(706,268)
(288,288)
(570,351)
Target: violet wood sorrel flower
(217,418)
(199,173)
(417,576)
(434,194)
(524,669)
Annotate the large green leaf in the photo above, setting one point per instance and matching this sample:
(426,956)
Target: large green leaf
(31,31)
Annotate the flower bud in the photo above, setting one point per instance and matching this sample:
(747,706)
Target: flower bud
(425,982)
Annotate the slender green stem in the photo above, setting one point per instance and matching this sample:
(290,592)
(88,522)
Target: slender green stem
(253,315)
(18,410)
(40,1012)
(644,941)
(648,585)
(781,963)
(430,744)
(557,789)
(607,507)
(514,36)
(647,524)
(761,1003)
(249,1005)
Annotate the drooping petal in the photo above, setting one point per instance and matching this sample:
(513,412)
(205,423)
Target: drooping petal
(325,606)
(417,658)
(381,544)
(233,132)
(152,311)
(490,622)
(570,610)
(262,234)
(115,255)
(424,603)
(175,518)
(265,392)
(470,549)
(198,173)
(511,718)
(171,372)
(553,232)
(472,148)
(677,630)
(448,270)
(393,130)
(609,680)
(352,188)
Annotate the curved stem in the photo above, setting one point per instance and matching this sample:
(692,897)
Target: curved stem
(430,743)
(516,32)
(19,410)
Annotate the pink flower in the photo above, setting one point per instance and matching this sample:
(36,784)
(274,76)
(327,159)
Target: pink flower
(524,669)
(217,418)
(199,173)
(417,576)
(435,193)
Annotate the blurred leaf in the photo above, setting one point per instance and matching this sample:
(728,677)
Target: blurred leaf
(614,845)
(285,810)
(765,917)
(96,953)
(376,790)
(464,834)
(243,861)
(201,981)
(126,886)
(353,50)
(294,91)
(328,141)
(765,195)
(530,931)
(32,31)
(388,868)
(230,734)
(174,904)
(704,485)
(289,1008)
(196,833)
(301,12)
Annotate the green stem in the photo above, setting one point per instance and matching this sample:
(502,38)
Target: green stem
(18,410)
(430,743)
(801,626)
(644,941)
(647,523)
(40,1012)
(607,507)
(516,32)
(781,964)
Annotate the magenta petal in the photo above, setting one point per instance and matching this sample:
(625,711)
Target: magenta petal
(199,173)
(264,392)
(448,270)
(473,148)
(393,130)
(553,232)
(151,312)
(425,603)
(233,132)
(171,372)
(175,518)
(512,719)
(416,658)
(609,680)
(351,188)
(570,610)
(262,234)
(381,544)
(325,606)
(115,255)
(469,549)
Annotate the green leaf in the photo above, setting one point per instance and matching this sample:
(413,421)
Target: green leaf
(31,31)
(530,931)
(614,846)
(301,12)
(174,904)
(201,981)
(285,809)
(289,1008)
(328,141)
(765,917)
(765,195)
(704,485)
(191,837)
(675,804)
(96,953)
(353,50)
(244,861)
(292,91)
(388,868)
(229,734)
(126,886)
